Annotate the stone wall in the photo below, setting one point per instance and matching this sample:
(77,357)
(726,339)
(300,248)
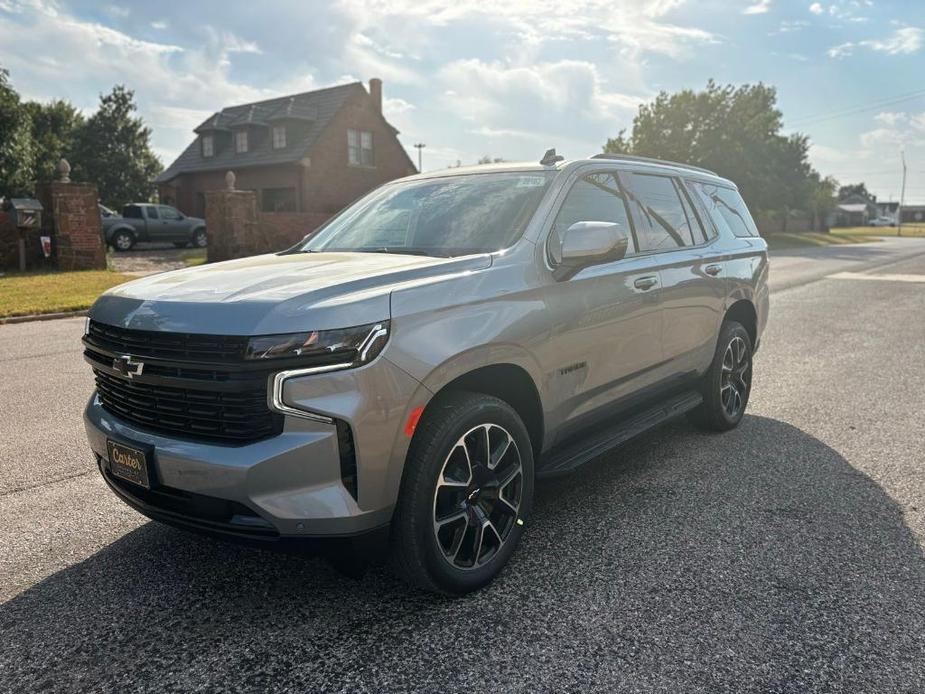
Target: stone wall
(237,228)
(280,230)
(72,218)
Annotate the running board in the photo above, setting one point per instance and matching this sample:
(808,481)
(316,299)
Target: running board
(573,456)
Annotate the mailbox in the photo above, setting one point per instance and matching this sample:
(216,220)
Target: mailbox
(27,216)
(27,213)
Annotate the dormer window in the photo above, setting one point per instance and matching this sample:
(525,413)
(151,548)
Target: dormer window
(279,137)
(208,145)
(240,141)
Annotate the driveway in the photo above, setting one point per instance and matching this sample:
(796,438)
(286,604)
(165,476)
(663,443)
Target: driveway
(785,556)
(148,258)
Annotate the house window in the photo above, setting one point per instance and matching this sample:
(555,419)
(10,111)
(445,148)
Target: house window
(360,147)
(279,137)
(278,200)
(208,145)
(240,141)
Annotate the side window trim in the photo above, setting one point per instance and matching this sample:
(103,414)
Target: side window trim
(689,210)
(710,229)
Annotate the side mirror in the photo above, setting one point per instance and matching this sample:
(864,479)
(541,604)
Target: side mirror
(590,243)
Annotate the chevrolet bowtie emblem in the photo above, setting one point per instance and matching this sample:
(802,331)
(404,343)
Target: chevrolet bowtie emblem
(126,366)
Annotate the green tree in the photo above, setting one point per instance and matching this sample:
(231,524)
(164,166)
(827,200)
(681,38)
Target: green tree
(16,155)
(113,150)
(55,127)
(856,189)
(822,199)
(734,131)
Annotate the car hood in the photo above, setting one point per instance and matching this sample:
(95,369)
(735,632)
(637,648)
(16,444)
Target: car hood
(273,293)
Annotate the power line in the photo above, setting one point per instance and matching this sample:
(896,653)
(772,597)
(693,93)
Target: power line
(859,108)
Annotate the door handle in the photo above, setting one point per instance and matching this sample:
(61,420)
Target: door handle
(713,270)
(645,283)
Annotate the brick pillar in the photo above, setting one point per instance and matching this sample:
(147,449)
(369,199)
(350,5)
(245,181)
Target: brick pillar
(72,218)
(231,221)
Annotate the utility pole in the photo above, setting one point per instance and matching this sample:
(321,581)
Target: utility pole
(419,147)
(902,197)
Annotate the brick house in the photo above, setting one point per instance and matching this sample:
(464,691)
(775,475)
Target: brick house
(307,153)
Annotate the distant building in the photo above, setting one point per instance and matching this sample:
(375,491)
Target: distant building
(913,214)
(310,152)
(853,211)
(887,209)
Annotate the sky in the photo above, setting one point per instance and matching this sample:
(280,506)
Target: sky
(502,78)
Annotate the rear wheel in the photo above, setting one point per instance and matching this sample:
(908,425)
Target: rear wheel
(727,385)
(123,240)
(200,238)
(468,487)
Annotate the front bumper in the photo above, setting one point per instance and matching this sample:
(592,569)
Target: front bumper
(286,486)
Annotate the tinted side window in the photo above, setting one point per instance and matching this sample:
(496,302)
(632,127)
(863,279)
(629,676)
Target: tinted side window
(661,222)
(168,213)
(151,212)
(727,208)
(132,212)
(594,198)
(698,233)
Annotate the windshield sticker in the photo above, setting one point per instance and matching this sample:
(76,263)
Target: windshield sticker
(531,182)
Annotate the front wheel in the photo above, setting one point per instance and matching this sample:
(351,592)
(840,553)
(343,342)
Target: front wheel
(728,383)
(467,489)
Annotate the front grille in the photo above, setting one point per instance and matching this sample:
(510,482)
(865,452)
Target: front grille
(238,416)
(191,386)
(182,347)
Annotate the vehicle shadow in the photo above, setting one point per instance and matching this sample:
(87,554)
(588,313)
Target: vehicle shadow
(759,560)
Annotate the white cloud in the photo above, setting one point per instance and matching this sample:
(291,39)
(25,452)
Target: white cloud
(841,50)
(816,8)
(890,118)
(904,40)
(159,25)
(485,131)
(760,7)
(522,94)
(638,26)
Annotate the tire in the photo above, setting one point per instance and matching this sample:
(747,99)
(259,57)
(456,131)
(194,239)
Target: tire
(441,509)
(123,240)
(725,392)
(181,244)
(200,238)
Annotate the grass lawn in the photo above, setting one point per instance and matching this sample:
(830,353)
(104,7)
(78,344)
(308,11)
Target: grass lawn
(908,230)
(195,256)
(814,238)
(51,292)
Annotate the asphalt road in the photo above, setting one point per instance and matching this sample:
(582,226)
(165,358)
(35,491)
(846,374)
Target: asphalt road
(785,556)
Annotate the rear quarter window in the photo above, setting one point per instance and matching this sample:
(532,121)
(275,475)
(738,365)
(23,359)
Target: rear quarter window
(726,208)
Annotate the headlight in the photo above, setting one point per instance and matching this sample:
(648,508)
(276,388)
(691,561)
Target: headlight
(352,346)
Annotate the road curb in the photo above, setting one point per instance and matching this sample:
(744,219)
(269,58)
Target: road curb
(43,316)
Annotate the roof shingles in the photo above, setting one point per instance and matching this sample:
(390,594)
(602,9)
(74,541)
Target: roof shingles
(316,108)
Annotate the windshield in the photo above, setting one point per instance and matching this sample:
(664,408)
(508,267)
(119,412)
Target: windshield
(456,215)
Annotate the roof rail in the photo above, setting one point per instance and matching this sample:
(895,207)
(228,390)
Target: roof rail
(651,160)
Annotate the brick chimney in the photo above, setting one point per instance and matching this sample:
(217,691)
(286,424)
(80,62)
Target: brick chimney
(375,92)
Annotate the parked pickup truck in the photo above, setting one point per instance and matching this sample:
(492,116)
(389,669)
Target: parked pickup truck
(147,222)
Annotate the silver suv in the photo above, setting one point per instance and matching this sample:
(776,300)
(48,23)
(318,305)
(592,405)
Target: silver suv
(403,376)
